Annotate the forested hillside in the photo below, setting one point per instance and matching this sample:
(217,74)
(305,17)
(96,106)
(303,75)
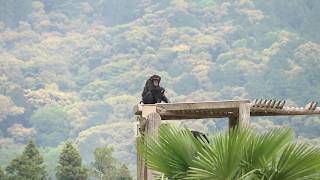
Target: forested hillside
(73,69)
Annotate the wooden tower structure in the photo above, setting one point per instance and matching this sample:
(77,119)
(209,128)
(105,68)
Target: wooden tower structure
(238,112)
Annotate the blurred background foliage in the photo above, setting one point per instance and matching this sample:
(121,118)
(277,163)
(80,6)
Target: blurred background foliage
(72,70)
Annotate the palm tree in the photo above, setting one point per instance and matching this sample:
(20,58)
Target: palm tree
(236,154)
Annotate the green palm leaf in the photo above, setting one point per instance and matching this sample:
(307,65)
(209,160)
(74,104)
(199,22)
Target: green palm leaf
(237,154)
(297,161)
(263,148)
(222,157)
(172,152)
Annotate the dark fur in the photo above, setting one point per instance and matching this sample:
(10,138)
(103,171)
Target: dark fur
(153,94)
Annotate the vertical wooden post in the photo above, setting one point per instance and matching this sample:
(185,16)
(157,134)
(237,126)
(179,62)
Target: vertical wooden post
(151,128)
(140,166)
(242,118)
(244,114)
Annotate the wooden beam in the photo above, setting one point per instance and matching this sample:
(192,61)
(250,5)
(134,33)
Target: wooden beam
(311,105)
(230,104)
(314,106)
(196,114)
(276,108)
(285,111)
(273,103)
(151,128)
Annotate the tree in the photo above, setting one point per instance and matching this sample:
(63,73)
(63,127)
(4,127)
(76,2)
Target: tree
(51,125)
(2,175)
(124,173)
(20,133)
(30,165)
(8,108)
(104,164)
(237,154)
(107,167)
(69,165)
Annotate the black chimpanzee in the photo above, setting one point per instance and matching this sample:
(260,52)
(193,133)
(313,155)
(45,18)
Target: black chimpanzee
(152,92)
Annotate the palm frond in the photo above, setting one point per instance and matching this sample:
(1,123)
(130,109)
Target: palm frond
(236,154)
(171,152)
(222,157)
(262,148)
(297,161)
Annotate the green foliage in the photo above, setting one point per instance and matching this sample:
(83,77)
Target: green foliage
(298,15)
(107,167)
(51,125)
(173,153)
(51,157)
(186,84)
(118,11)
(29,165)
(124,173)
(237,154)
(2,174)
(70,166)
(8,108)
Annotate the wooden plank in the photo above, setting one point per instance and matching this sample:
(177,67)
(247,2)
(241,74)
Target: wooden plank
(273,103)
(269,103)
(277,104)
(190,106)
(259,103)
(282,104)
(222,109)
(196,114)
(187,117)
(309,105)
(201,105)
(264,103)
(285,111)
(314,106)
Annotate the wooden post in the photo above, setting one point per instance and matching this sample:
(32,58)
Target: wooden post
(140,166)
(151,128)
(244,114)
(242,118)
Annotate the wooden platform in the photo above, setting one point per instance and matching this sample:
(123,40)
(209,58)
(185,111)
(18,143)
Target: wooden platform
(222,109)
(192,110)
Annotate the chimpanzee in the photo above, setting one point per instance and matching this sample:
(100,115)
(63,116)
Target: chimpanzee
(200,136)
(152,92)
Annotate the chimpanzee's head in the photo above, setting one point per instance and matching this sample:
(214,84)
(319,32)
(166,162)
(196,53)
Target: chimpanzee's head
(156,80)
